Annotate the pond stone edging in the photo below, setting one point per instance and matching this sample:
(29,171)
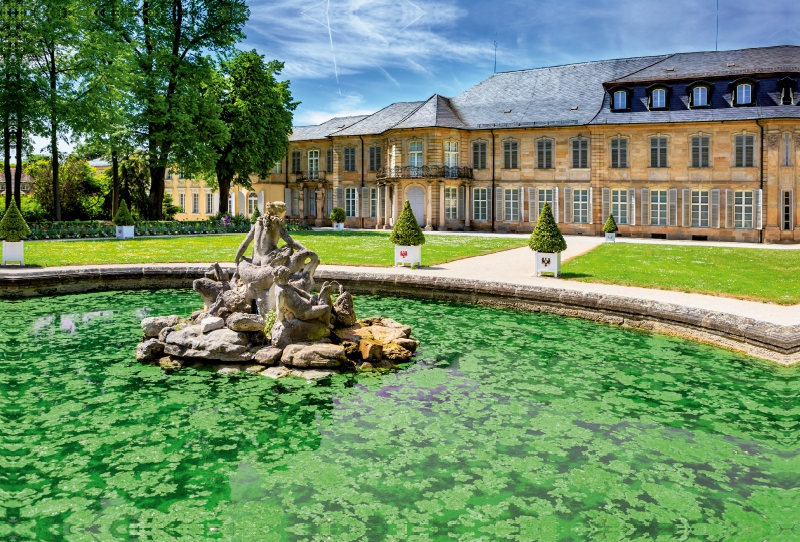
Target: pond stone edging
(764,340)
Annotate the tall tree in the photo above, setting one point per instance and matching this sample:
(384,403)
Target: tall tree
(257,111)
(177,117)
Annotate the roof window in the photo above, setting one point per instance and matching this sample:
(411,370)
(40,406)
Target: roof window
(658,97)
(620,99)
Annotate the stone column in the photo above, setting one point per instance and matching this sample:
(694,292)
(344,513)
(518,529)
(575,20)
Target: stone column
(395,204)
(320,201)
(391,188)
(429,206)
(379,222)
(467,189)
(442,224)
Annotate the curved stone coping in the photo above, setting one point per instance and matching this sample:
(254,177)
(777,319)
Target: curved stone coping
(753,337)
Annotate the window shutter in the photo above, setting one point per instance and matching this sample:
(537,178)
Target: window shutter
(615,153)
(461,201)
(728,208)
(216,203)
(687,208)
(696,152)
(328,201)
(306,210)
(533,204)
(261,202)
(287,199)
(606,203)
(672,199)
(631,207)
(521,213)
(591,205)
(312,202)
(358,200)
(339,201)
(715,208)
(555,204)
(791,209)
(645,207)
(749,147)
(758,221)
(365,207)
(489,209)
(739,151)
(623,153)
(567,205)
(653,152)
(499,202)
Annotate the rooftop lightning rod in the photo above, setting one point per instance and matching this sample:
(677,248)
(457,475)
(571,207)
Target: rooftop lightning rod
(716,42)
(495,55)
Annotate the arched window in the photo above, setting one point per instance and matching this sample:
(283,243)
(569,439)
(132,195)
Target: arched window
(621,99)
(231,200)
(659,99)
(252,203)
(700,96)
(744,94)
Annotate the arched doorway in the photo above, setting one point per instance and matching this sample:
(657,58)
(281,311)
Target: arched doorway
(416,197)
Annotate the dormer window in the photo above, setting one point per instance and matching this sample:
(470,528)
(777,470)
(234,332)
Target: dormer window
(658,99)
(700,97)
(786,86)
(621,99)
(744,94)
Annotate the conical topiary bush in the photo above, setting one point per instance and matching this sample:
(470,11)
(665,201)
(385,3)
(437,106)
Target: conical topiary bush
(255,216)
(13,227)
(124,217)
(611,225)
(546,236)
(406,231)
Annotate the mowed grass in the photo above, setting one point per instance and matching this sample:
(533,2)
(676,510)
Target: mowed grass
(744,273)
(368,248)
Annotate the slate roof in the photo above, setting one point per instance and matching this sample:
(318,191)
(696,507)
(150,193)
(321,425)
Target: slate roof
(383,120)
(437,111)
(712,64)
(321,131)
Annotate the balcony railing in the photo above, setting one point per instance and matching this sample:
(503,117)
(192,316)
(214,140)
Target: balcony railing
(309,176)
(425,172)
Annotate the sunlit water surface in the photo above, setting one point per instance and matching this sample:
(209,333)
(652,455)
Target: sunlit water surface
(508,426)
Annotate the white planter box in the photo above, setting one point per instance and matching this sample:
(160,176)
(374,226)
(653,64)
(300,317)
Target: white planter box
(125,232)
(611,237)
(14,252)
(338,226)
(407,255)
(548,262)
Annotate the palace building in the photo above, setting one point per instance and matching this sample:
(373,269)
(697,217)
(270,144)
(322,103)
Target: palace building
(683,146)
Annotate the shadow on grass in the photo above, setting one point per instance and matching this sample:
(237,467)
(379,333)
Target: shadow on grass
(576,276)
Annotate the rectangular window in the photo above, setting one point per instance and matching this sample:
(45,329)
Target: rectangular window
(511,197)
(544,154)
(743,209)
(659,207)
(415,158)
(451,159)
(659,99)
(296,162)
(701,151)
(619,152)
(374,158)
(209,204)
(349,158)
(195,204)
(580,153)
(313,165)
(451,202)
(479,203)
(787,210)
(479,155)
(580,206)
(277,168)
(743,94)
(619,206)
(744,146)
(700,96)
(699,208)
(620,99)
(545,196)
(787,149)
(658,152)
(373,202)
(350,201)
(510,155)
(329,160)
(182,202)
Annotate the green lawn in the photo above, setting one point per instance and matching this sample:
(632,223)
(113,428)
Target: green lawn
(745,273)
(342,248)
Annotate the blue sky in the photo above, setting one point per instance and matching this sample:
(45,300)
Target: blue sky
(348,57)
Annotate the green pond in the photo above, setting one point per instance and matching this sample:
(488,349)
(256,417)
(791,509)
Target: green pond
(507,426)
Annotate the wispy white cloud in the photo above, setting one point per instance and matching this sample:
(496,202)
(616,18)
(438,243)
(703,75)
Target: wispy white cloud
(336,105)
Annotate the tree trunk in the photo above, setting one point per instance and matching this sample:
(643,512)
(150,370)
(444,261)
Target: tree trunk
(7,162)
(115,183)
(18,170)
(157,192)
(224,193)
(54,160)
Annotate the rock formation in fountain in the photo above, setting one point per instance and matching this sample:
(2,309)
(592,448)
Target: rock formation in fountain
(265,319)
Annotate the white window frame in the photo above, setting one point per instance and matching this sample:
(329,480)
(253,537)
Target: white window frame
(659,207)
(451,159)
(415,158)
(700,92)
(511,205)
(373,202)
(451,202)
(787,209)
(480,203)
(619,205)
(182,201)
(743,209)
(351,202)
(195,203)
(744,94)
(209,203)
(544,195)
(621,99)
(580,205)
(658,98)
(252,203)
(313,164)
(701,208)
(580,153)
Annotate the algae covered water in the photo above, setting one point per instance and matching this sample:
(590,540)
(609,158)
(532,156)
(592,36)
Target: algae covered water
(509,426)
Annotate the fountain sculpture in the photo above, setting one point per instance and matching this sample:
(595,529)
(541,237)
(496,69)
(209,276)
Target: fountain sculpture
(264,317)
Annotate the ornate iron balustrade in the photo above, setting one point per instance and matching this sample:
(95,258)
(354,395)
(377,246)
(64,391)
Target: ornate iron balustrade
(425,172)
(309,176)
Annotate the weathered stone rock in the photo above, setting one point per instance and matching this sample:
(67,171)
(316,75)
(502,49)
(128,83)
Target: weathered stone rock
(276,372)
(396,353)
(197,316)
(379,334)
(254,369)
(245,322)
(221,344)
(313,374)
(387,322)
(167,362)
(229,302)
(153,325)
(366,366)
(344,310)
(409,344)
(351,350)
(227,370)
(298,331)
(384,365)
(370,350)
(313,355)
(211,323)
(149,350)
(268,356)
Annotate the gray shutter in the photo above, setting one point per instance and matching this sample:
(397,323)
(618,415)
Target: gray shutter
(499,204)
(631,207)
(555,204)
(687,208)
(521,214)
(357,208)
(728,208)
(672,199)
(615,153)
(489,208)
(305,203)
(606,203)
(365,200)
(339,201)
(715,208)
(462,194)
(591,205)
(567,205)
(329,201)
(533,204)
(312,202)
(791,209)
(645,207)
(287,199)
(758,220)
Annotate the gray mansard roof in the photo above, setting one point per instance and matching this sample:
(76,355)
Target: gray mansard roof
(576,94)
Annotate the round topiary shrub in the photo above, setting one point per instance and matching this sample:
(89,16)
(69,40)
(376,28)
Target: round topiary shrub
(254,216)
(124,217)
(611,225)
(406,231)
(546,236)
(13,227)
(338,215)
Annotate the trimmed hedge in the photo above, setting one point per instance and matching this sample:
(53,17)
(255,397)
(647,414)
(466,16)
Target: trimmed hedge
(13,227)
(338,215)
(611,225)
(406,231)
(546,237)
(124,217)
